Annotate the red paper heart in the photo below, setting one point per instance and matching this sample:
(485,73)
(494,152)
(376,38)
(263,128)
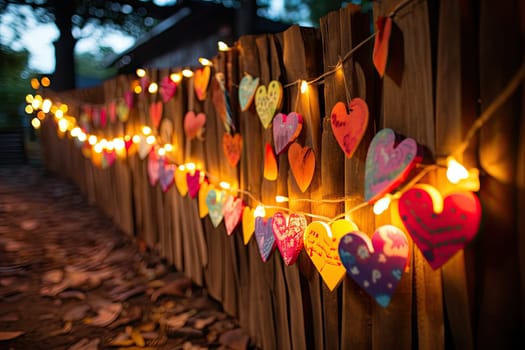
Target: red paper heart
(232,211)
(302,164)
(349,128)
(167,88)
(232,146)
(270,164)
(155,113)
(193,124)
(381,43)
(439,227)
(194,183)
(289,235)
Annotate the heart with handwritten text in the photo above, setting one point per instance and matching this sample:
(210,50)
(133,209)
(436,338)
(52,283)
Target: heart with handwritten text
(289,235)
(264,236)
(268,101)
(232,147)
(247,88)
(286,128)
(215,202)
(349,127)
(232,212)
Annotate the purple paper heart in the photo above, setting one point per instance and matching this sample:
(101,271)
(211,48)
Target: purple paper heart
(194,183)
(166,179)
(377,265)
(286,128)
(264,237)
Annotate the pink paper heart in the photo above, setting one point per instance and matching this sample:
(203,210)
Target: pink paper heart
(289,235)
(232,211)
(166,176)
(286,128)
(193,124)
(153,168)
(264,237)
(103,117)
(155,113)
(349,128)
(167,89)
(194,183)
(388,164)
(128,98)
(108,159)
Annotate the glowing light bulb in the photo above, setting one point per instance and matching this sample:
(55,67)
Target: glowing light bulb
(35,122)
(75,131)
(45,81)
(34,83)
(259,211)
(135,139)
(281,199)
(46,105)
(182,167)
(150,140)
(190,166)
(82,136)
(222,46)
(59,114)
(224,185)
(146,130)
(98,148)
(63,107)
(103,143)
(110,145)
(92,139)
(153,88)
(176,77)
(137,89)
(62,125)
(29,109)
(304,87)
(205,61)
(29,98)
(455,171)
(40,115)
(382,204)
(141,72)
(168,147)
(119,144)
(36,103)
(161,152)
(188,73)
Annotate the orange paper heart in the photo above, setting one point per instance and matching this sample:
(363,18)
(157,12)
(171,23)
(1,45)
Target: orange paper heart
(232,146)
(302,164)
(200,82)
(270,164)
(155,113)
(380,55)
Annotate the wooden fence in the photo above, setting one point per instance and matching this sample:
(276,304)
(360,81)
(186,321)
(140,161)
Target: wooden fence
(448,62)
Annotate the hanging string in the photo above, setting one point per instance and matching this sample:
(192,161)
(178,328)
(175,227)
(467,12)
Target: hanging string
(347,90)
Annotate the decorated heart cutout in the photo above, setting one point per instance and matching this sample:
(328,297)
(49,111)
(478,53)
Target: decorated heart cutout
(153,168)
(128,98)
(349,128)
(267,103)
(264,236)
(381,43)
(122,111)
(439,226)
(247,88)
(155,113)
(193,181)
(180,181)
(221,101)
(108,158)
(203,193)
(200,82)
(302,164)
(248,224)
(376,265)
(166,130)
(270,164)
(103,117)
(286,128)
(321,243)
(232,212)
(112,112)
(166,176)
(388,164)
(289,235)
(193,124)
(215,202)
(144,148)
(167,88)
(232,147)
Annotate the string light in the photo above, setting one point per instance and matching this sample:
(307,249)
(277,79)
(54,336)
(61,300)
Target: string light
(35,122)
(146,130)
(137,89)
(150,140)
(188,73)
(224,185)
(135,139)
(223,46)
(190,166)
(75,131)
(119,144)
(281,199)
(62,125)
(205,61)
(182,167)
(59,114)
(259,211)
(304,87)
(29,98)
(168,147)
(29,109)
(176,77)
(161,151)
(141,72)
(153,88)
(98,148)
(455,171)
(382,204)
(92,140)
(45,81)
(82,136)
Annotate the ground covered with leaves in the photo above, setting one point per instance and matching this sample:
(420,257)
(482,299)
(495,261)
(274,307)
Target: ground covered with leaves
(69,279)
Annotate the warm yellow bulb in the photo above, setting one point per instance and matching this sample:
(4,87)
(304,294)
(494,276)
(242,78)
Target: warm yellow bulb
(190,166)
(75,131)
(153,88)
(62,125)
(92,140)
(304,86)
(168,147)
(188,73)
(34,83)
(222,46)
(281,199)
(141,72)
(205,61)
(455,171)
(150,140)
(382,204)
(29,98)
(36,103)
(64,108)
(29,109)
(182,167)
(59,114)
(110,145)
(137,89)
(175,77)
(224,185)
(119,144)
(161,151)
(135,139)
(98,148)
(35,122)
(259,211)
(40,115)
(146,130)
(45,81)
(82,136)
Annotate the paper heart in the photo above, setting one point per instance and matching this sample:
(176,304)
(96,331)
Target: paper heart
(122,111)
(221,101)
(388,164)
(376,264)
(289,235)
(268,102)
(128,98)
(215,202)
(108,158)
(144,148)
(381,43)
(247,88)
(232,147)
(264,237)
(144,83)
(200,82)
(439,226)
(232,212)
(180,181)
(321,243)
(248,224)
(203,193)
(155,113)
(349,128)
(302,164)
(270,164)
(166,131)
(286,128)
(96,159)
(193,181)
(167,88)
(95,117)
(112,111)
(193,124)
(153,168)
(103,117)
(166,176)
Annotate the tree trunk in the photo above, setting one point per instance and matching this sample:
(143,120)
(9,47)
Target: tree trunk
(64,76)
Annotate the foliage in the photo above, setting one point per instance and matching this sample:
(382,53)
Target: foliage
(92,64)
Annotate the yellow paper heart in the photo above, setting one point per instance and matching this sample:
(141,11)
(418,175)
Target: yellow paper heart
(248,224)
(181,182)
(321,243)
(203,193)
(268,102)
